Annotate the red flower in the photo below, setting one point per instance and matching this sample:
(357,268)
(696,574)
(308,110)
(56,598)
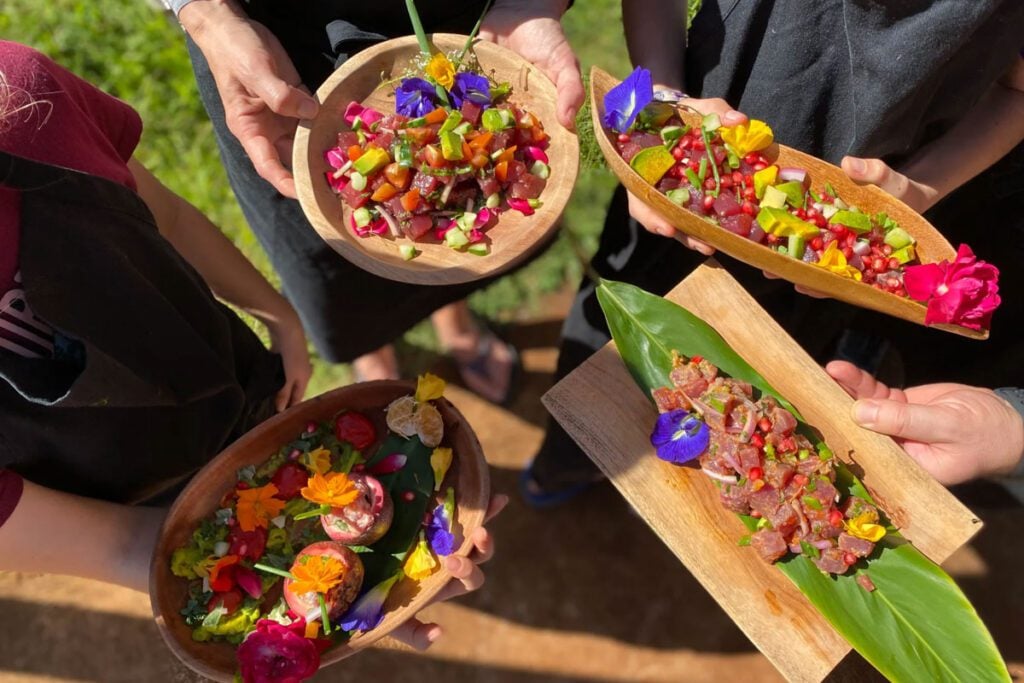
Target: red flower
(222,576)
(277,654)
(964,292)
(247,544)
(356,429)
(289,479)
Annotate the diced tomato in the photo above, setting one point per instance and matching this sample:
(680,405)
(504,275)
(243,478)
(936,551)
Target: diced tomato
(437,116)
(421,136)
(467,152)
(501,171)
(397,175)
(354,152)
(516,170)
(480,160)
(434,157)
(411,200)
(419,226)
(231,600)
(480,141)
(384,193)
(508,154)
(538,134)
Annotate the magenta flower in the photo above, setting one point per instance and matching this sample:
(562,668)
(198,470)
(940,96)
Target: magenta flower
(276,654)
(964,292)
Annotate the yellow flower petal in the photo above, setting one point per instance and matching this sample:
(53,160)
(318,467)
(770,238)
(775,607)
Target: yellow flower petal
(441,69)
(834,260)
(429,387)
(318,461)
(334,489)
(863,526)
(440,461)
(752,136)
(421,563)
(316,574)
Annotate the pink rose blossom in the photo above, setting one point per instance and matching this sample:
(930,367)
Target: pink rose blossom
(964,292)
(277,654)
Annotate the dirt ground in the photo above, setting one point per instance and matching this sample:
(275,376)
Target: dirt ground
(580,593)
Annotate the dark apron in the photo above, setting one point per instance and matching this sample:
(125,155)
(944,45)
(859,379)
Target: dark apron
(152,376)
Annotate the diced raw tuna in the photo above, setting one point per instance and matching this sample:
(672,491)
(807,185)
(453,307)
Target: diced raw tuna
(824,492)
(696,200)
(629,150)
(783,421)
(858,546)
(393,122)
(740,224)
(462,193)
(712,463)
(425,183)
(500,141)
(418,226)
(865,582)
(766,501)
(395,208)
(726,205)
(784,518)
(669,399)
(736,498)
(489,185)
(856,506)
(384,141)
(346,139)
(516,170)
(528,186)
(831,561)
(749,458)
(376,181)
(777,473)
(646,140)
(668,183)
(770,545)
(471,112)
(689,379)
(353,197)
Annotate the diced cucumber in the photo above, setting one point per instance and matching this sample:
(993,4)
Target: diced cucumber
(408,251)
(495,120)
(463,128)
(670,135)
(897,238)
(417,123)
(494,201)
(535,203)
(827,210)
(456,239)
(357,180)
(478,249)
(680,196)
(796,246)
(541,170)
(362,217)
(711,123)
(466,221)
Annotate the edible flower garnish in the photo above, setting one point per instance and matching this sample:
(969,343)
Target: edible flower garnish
(440,461)
(834,260)
(368,611)
(318,460)
(863,526)
(429,387)
(389,465)
(421,563)
(964,292)
(257,506)
(318,574)
(745,138)
(441,69)
(277,653)
(439,531)
(471,87)
(623,103)
(333,489)
(415,97)
(680,436)
(222,575)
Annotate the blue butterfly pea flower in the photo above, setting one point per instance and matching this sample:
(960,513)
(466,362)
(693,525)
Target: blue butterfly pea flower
(623,102)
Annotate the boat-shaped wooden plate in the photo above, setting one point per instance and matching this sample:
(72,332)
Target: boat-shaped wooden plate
(168,593)
(931,245)
(360,79)
(681,504)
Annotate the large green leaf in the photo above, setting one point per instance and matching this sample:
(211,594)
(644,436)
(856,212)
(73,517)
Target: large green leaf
(916,625)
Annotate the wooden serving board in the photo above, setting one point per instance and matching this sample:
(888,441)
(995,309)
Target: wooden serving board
(469,475)
(609,416)
(360,79)
(931,245)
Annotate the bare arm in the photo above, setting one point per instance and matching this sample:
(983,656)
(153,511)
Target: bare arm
(56,533)
(230,275)
(656,38)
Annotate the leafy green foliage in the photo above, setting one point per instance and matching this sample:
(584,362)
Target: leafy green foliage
(916,624)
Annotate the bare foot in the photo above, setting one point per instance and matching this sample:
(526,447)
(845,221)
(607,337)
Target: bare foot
(379,364)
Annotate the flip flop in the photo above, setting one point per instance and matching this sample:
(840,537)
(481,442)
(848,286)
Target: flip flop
(536,497)
(478,366)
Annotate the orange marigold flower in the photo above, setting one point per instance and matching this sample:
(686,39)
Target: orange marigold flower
(333,489)
(256,507)
(316,574)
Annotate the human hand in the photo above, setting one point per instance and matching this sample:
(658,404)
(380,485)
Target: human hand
(466,578)
(956,432)
(917,196)
(533,28)
(288,339)
(261,91)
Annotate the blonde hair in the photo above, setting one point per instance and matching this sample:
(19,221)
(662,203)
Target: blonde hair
(14,100)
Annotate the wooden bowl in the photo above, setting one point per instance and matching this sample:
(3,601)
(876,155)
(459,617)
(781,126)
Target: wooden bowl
(513,238)
(168,593)
(931,245)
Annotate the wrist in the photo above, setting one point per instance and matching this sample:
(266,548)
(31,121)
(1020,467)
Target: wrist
(197,17)
(1014,400)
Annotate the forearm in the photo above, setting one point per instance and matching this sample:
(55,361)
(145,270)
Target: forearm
(552,8)
(656,38)
(989,130)
(228,273)
(56,533)
(197,16)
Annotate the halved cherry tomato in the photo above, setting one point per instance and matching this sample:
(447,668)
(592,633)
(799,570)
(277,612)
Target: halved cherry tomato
(398,176)
(421,136)
(411,199)
(508,154)
(354,152)
(480,141)
(434,156)
(437,116)
(480,160)
(384,193)
(501,171)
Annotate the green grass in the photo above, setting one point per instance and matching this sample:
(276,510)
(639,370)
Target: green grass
(138,54)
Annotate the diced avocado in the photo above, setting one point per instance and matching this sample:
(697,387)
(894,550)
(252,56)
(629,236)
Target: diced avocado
(858,222)
(680,196)
(408,251)
(828,211)
(782,223)
(652,163)
(453,120)
(371,161)
(362,217)
(495,120)
(897,238)
(764,178)
(670,135)
(451,146)
(794,191)
(655,114)
(904,254)
(797,245)
(773,199)
(456,239)
(478,249)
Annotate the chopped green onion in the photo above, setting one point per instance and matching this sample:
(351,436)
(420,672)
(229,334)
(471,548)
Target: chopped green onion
(809,550)
(324,617)
(744,540)
(803,454)
(535,203)
(824,452)
(812,502)
(273,570)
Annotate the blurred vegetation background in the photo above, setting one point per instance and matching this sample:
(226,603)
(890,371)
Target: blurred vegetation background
(134,51)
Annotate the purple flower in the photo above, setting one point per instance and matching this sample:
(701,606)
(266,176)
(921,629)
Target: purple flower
(439,535)
(623,102)
(415,97)
(368,610)
(471,87)
(680,436)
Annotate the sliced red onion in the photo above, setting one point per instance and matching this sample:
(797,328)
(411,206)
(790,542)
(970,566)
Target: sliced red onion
(520,205)
(335,157)
(475,235)
(392,223)
(804,526)
(536,154)
(442,227)
(861,247)
(337,183)
(447,192)
(378,227)
(748,426)
(724,478)
(789,173)
(390,464)
(483,217)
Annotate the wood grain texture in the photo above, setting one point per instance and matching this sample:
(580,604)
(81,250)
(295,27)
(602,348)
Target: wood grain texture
(604,410)
(168,594)
(931,245)
(515,236)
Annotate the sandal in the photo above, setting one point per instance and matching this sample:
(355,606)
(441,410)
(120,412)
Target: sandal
(479,365)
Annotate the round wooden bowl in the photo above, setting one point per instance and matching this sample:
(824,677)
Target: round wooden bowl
(931,245)
(513,238)
(168,593)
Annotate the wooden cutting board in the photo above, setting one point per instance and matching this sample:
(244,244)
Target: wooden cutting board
(610,417)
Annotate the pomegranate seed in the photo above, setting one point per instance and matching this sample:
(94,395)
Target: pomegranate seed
(764,424)
(848,253)
(749,193)
(851,239)
(295,454)
(408,496)
(755,514)
(886,249)
(877,264)
(772,239)
(817,244)
(800,479)
(749,208)
(838,230)
(737,177)
(709,202)
(696,359)
(709,184)
(835,518)
(894,264)
(310,427)
(849,559)
(242,486)
(678,153)
(812,212)
(727,181)
(757,440)
(698,145)
(694,164)
(623,137)
(748,180)
(685,143)
(760,167)
(756,473)
(762,159)
(751,158)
